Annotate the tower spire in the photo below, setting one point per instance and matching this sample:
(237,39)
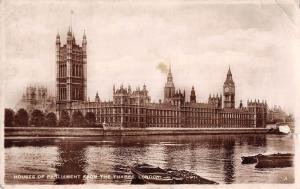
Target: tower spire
(169,89)
(229,91)
(229,77)
(229,72)
(57,38)
(193,95)
(84,42)
(170,77)
(71,14)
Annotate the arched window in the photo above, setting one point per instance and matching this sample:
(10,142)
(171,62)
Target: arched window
(80,74)
(75,70)
(65,71)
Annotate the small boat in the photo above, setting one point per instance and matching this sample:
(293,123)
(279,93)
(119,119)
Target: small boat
(275,160)
(155,175)
(284,129)
(152,175)
(249,159)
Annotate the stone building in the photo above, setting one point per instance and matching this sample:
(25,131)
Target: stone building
(133,108)
(37,97)
(276,114)
(71,61)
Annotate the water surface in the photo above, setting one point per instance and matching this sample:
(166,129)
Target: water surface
(107,159)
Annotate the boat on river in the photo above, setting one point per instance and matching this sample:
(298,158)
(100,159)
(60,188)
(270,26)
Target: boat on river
(249,159)
(275,160)
(270,161)
(284,129)
(150,174)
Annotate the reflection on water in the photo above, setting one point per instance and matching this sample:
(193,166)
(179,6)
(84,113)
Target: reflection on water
(71,161)
(107,159)
(229,161)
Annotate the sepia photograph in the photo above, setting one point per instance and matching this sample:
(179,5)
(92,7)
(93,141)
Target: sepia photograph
(124,93)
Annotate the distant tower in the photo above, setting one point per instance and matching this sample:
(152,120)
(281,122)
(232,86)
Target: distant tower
(169,89)
(193,96)
(229,91)
(97,98)
(71,71)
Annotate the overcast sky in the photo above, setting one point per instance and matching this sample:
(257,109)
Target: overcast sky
(127,41)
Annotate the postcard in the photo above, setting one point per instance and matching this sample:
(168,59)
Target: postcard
(151,94)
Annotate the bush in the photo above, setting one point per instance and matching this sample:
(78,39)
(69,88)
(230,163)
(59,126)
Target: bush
(78,119)
(51,120)
(278,120)
(9,117)
(37,118)
(90,119)
(21,118)
(64,119)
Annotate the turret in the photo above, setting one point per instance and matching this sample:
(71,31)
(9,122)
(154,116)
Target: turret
(84,42)
(129,89)
(68,89)
(97,98)
(57,61)
(229,91)
(169,89)
(69,36)
(241,104)
(84,54)
(193,95)
(57,39)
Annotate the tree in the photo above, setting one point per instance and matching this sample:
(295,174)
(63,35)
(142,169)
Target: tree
(21,118)
(37,118)
(278,120)
(9,117)
(90,119)
(78,119)
(290,118)
(50,120)
(64,119)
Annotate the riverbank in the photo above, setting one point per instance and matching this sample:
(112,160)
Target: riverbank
(37,132)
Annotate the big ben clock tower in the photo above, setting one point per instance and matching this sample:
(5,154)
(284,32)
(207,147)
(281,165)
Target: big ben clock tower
(229,91)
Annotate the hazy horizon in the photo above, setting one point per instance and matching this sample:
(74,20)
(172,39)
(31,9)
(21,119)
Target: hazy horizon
(128,43)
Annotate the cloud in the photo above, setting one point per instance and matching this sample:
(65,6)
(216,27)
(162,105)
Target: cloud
(162,67)
(129,43)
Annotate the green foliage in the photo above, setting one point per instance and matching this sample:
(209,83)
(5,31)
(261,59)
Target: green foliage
(37,118)
(64,119)
(290,118)
(50,120)
(21,118)
(78,119)
(90,119)
(9,117)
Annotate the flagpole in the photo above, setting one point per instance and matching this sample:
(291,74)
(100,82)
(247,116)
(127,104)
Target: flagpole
(71,14)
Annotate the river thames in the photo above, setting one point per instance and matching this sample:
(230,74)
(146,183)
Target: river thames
(107,159)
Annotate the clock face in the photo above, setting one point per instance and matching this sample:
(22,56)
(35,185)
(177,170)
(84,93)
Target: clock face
(226,89)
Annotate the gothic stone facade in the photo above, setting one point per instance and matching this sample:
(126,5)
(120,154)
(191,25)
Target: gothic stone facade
(71,73)
(133,108)
(36,97)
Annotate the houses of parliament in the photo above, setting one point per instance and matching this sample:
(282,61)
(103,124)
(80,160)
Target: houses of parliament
(133,108)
